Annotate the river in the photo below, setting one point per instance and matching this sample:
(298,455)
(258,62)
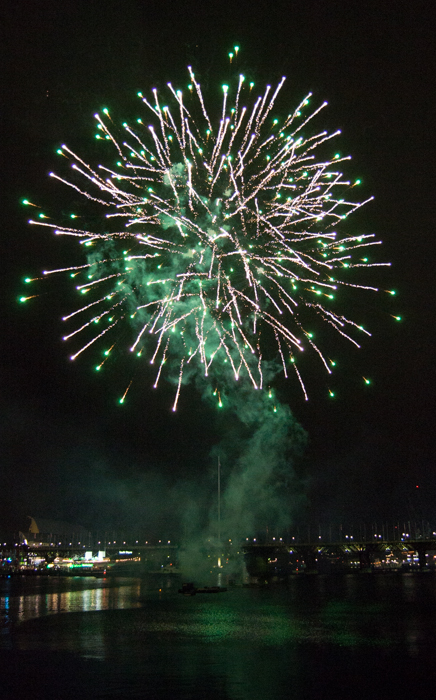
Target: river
(320,637)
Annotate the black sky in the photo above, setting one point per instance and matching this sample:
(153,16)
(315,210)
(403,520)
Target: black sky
(67,450)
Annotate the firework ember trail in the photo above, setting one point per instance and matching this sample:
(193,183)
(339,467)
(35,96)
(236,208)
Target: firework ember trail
(213,239)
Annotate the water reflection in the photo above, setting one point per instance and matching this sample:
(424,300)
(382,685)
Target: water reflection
(313,636)
(81,595)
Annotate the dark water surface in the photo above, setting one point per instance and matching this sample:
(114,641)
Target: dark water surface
(351,636)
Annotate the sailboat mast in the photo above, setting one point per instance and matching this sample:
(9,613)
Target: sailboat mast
(219,513)
(219,500)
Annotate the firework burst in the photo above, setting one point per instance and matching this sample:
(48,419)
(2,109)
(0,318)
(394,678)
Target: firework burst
(215,236)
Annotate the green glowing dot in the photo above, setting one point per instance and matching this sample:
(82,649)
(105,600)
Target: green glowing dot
(333,364)
(25,201)
(23,299)
(27,280)
(332,394)
(337,155)
(358,182)
(367,381)
(98,368)
(397,318)
(121,400)
(393,292)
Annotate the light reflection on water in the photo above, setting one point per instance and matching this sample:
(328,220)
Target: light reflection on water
(314,634)
(82,595)
(346,611)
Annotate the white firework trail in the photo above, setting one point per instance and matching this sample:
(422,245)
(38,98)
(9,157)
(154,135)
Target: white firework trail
(215,237)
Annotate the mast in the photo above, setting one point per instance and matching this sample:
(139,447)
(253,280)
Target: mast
(219,512)
(219,500)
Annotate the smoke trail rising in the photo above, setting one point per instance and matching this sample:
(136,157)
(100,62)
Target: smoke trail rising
(260,491)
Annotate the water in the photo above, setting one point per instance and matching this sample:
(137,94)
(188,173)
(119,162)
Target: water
(352,636)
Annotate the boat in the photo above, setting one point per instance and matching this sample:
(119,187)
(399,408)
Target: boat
(189,589)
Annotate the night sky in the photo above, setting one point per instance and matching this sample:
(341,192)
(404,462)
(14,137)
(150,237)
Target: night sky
(68,451)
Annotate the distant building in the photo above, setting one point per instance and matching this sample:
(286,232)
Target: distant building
(54,531)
